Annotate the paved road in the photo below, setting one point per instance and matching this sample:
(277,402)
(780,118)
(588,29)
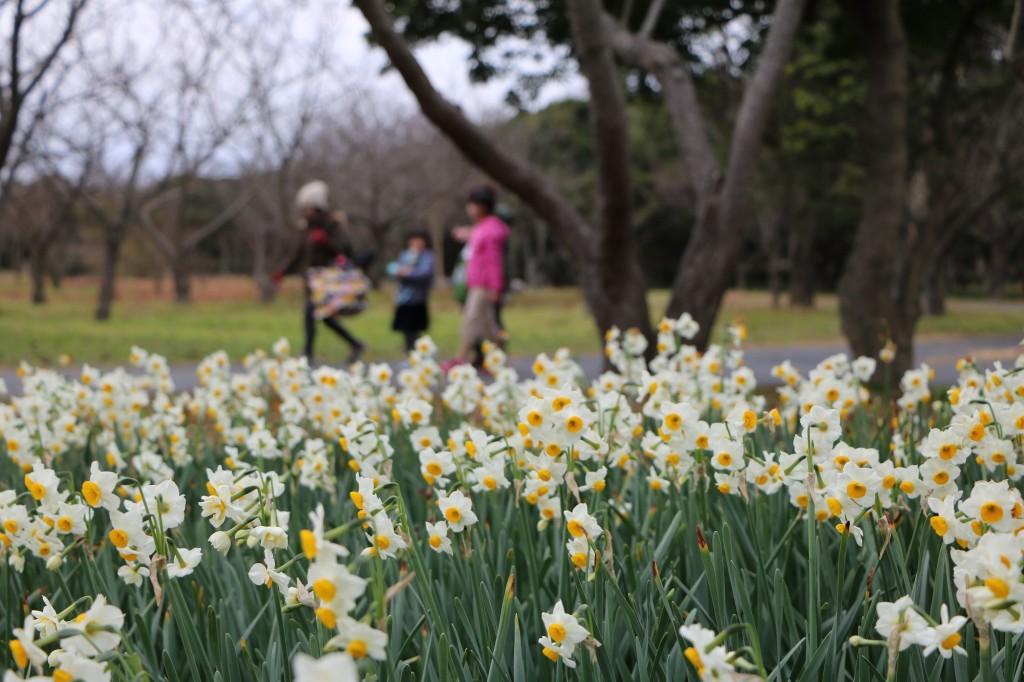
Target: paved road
(940,354)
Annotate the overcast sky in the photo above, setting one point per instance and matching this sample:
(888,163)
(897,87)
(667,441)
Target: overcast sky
(157,41)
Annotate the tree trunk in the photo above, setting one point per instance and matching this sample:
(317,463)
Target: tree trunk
(37,269)
(181,273)
(705,274)
(108,278)
(998,266)
(802,271)
(935,288)
(870,305)
(265,284)
(620,292)
(1001,243)
(708,263)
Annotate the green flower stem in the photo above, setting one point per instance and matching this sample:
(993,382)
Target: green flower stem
(813,603)
(985,651)
(285,647)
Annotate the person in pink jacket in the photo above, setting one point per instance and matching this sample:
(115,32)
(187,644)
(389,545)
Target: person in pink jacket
(485,271)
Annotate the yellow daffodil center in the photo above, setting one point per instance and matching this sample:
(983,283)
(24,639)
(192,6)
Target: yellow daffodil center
(556,632)
(950,642)
(91,493)
(118,538)
(453,514)
(356,648)
(694,658)
(998,587)
(991,512)
(18,652)
(575,528)
(327,617)
(324,589)
(308,541)
(435,541)
(856,490)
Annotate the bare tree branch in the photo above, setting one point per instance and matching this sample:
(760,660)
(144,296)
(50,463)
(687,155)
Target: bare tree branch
(651,20)
(218,222)
(151,228)
(1013,50)
(680,94)
(756,106)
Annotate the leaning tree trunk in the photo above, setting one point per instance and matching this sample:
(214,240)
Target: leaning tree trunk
(705,273)
(870,308)
(708,264)
(935,288)
(108,278)
(182,276)
(264,282)
(802,269)
(37,269)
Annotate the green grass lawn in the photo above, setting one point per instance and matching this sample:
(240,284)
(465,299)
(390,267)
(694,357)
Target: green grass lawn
(226,316)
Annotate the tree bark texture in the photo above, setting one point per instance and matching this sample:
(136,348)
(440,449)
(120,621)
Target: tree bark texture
(37,270)
(802,270)
(872,306)
(108,277)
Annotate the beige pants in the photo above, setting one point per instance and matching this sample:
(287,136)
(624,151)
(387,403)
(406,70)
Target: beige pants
(478,318)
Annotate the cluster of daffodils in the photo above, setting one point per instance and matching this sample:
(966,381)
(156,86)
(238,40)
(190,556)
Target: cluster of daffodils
(55,522)
(82,645)
(836,383)
(574,456)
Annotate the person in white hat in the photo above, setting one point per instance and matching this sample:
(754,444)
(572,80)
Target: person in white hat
(322,246)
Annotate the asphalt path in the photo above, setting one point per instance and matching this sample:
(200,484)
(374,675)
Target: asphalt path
(940,353)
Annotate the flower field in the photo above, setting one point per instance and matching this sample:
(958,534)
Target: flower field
(668,521)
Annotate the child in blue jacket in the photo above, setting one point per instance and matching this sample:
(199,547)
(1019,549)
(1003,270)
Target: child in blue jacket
(414,274)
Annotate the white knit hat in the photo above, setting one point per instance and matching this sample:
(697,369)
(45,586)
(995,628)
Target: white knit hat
(312,195)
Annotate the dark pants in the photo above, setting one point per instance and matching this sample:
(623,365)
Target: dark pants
(332,324)
(410,339)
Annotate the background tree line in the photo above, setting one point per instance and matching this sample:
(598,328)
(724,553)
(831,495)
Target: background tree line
(870,148)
